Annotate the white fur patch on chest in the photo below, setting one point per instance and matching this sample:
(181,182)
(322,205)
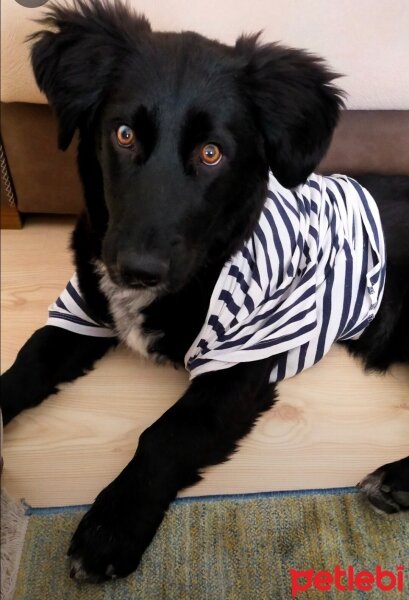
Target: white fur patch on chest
(126,306)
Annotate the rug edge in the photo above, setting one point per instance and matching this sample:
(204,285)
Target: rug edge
(14,522)
(43,510)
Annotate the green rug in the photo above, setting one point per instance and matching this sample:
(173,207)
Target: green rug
(232,548)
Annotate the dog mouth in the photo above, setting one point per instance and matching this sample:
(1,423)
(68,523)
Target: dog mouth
(142,273)
(127,284)
(147,283)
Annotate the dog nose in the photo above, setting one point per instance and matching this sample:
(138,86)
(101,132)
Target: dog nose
(145,270)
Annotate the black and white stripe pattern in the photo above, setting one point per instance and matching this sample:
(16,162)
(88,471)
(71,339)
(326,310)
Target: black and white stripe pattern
(70,312)
(313,272)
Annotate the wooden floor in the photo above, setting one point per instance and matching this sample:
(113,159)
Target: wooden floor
(331,426)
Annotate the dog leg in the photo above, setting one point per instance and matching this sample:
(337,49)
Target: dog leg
(387,488)
(51,356)
(201,429)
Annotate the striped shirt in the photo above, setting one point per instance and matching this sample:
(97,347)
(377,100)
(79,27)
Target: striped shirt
(71,312)
(312,273)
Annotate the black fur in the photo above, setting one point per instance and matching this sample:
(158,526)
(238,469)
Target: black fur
(155,210)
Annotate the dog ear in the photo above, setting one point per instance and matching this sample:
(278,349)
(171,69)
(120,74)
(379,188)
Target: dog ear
(294,103)
(75,64)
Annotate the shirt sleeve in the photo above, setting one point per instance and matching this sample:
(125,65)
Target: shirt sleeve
(71,312)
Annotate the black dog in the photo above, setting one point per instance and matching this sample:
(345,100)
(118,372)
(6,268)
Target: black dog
(177,137)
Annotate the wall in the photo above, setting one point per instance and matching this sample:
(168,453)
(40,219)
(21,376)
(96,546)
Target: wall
(367,40)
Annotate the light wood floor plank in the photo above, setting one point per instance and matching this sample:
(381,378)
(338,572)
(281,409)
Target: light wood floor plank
(331,426)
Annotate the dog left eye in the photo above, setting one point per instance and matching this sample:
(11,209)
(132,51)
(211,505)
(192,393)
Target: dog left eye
(210,154)
(125,136)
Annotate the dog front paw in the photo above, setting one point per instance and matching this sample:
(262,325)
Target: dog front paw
(110,539)
(387,488)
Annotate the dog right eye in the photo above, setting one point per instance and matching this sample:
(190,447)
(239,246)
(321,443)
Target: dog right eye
(125,136)
(210,155)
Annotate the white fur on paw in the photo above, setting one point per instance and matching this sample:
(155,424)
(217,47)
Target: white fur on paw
(110,572)
(378,494)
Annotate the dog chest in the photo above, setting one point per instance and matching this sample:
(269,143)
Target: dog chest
(126,307)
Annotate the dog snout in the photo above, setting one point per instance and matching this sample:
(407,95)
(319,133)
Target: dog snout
(142,270)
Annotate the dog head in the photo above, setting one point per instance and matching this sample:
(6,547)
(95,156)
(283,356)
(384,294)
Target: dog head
(179,132)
